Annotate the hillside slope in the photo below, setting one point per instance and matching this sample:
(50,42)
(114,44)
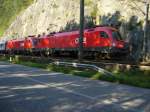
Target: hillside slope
(9,9)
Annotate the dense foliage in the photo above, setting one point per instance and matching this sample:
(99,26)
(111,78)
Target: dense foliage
(9,10)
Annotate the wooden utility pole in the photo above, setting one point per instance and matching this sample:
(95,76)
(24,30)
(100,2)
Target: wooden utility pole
(80,52)
(145,42)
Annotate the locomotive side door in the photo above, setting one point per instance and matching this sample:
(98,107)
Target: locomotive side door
(91,39)
(104,38)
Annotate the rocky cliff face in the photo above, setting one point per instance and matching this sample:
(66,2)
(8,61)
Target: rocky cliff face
(53,15)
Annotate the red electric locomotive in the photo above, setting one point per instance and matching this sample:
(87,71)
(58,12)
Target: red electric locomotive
(9,45)
(97,41)
(15,46)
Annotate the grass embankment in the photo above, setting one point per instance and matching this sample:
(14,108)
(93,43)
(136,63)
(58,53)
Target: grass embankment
(9,9)
(134,76)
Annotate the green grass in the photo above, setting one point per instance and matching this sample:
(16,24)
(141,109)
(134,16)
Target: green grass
(9,9)
(133,77)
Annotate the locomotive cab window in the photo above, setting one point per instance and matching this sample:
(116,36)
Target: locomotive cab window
(104,34)
(116,35)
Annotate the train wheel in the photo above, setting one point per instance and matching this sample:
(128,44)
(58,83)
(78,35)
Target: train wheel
(98,56)
(101,56)
(107,56)
(47,53)
(41,54)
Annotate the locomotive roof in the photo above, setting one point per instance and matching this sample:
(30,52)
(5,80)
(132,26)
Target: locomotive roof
(86,30)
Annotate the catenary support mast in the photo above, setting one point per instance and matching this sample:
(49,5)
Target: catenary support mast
(80,53)
(145,44)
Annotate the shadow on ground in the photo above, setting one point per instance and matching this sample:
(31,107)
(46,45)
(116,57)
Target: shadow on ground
(24,89)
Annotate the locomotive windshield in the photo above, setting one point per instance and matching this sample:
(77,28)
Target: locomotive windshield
(116,35)
(104,34)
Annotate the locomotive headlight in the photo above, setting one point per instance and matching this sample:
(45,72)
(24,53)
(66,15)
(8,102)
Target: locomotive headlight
(114,44)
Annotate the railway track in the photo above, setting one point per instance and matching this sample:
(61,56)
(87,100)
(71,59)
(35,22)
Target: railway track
(108,64)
